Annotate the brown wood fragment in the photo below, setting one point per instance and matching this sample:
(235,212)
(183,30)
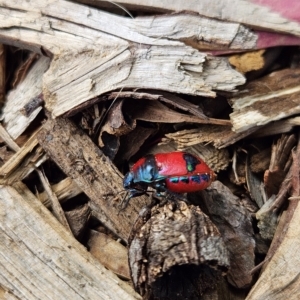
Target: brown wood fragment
(260,161)
(2,73)
(175,244)
(131,143)
(280,253)
(255,186)
(56,208)
(95,175)
(13,117)
(64,190)
(5,155)
(278,127)
(8,140)
(219,136)
(36,248)
(169,98)
(234,223)
(110,253)
(77,219)
(116,124)
(23,162)
(157,112)
(23,69)
(273,97)
(280,163)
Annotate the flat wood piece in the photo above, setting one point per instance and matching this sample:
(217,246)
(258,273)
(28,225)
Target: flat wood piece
(219,136)
(256,14)
(280,279)
(14,119)
(273,97)
(111,253)
(233,221)
(64,190)
(80,159)
(36,252)
(101,57)
(23,162)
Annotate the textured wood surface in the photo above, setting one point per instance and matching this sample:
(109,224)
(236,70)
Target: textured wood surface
(95,52)
(36,252)
(80,159)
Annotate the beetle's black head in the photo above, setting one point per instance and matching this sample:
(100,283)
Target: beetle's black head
(135,188)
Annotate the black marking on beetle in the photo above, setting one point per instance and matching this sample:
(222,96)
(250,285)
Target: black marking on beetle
(196,178)
(191,162)
(205,177)
(174,179)
(184,179)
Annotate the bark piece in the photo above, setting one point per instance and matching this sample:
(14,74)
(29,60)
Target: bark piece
(271,16)
(2,73)
(255,186)
(274,97)
(23,162)
(8,140)
(219,136)
(40,259)
(80,159)
(280,279)
(278,127)
(234,223)
(157,112)
(163,97)
(56,208)
(116,123)
(131,143)
(105,58)
(267,220)
(167,239)
(13,117)
(280,163)
(64,190)
(77,219)
(5,154)
(110,253)
(260,161)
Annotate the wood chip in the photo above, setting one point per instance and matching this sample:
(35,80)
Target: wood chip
(36,248)
(80,159)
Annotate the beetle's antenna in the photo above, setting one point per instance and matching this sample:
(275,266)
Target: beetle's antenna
(122,7)
(122,207)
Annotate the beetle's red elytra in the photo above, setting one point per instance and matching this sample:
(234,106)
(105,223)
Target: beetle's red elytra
(178,172)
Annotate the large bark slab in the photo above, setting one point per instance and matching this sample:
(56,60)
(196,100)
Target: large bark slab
(266,15)
(96,52)
(41,260)
(80,159)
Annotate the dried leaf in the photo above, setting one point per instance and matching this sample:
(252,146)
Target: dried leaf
(110,253)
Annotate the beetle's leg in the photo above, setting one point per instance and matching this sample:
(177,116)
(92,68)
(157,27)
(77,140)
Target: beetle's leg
(132,193)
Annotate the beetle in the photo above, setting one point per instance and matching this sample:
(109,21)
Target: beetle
(177,172)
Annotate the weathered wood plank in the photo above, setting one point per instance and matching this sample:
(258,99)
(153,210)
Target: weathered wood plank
(14,119)
(80,159)
(273,97)
(259,14)
(91,58)
(36,251)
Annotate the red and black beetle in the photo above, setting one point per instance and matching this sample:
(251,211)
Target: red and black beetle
(178,172)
